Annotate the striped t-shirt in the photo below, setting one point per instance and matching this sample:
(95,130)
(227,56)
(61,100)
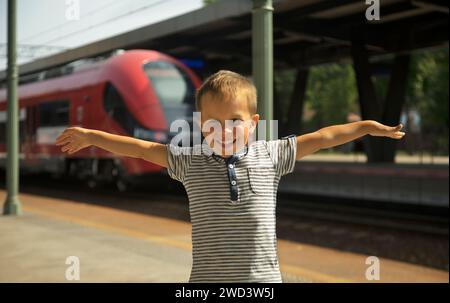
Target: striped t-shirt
(232,203)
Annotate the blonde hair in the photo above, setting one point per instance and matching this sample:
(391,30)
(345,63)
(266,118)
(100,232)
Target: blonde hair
(228,84)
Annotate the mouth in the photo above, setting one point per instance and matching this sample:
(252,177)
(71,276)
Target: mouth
(225,144)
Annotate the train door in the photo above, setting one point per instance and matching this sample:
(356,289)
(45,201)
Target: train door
(83,108)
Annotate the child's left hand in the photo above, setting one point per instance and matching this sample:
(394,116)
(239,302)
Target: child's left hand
(381,130)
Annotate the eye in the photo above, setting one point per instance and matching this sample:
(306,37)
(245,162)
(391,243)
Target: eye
(233,123)
(210,125)
(240,123)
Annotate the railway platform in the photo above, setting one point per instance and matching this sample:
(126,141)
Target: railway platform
(114,245)
(407,182)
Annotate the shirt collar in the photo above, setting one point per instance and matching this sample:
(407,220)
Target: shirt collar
(208,151)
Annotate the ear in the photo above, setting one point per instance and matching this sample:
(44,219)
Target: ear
(255,119)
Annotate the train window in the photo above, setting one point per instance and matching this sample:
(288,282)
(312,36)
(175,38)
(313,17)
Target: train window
(54,113)
(3,127)
(172,84)
(114,105)
(2,132)
(21,131)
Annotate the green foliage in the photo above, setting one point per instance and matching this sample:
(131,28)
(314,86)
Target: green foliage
(331,94)
(428,87)
(284,85)
(207,2)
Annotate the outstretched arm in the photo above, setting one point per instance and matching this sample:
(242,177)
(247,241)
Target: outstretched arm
(339,134)
(75,138)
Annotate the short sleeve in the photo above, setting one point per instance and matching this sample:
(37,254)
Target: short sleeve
(179,160)
(283,153)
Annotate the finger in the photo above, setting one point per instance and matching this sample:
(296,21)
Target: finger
(74,149)
(59,141)
(67,147)
(63,141)
(398,135)
(62,136)
(64,147)
(398,127)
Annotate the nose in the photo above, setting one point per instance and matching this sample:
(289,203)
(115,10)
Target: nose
(227,133)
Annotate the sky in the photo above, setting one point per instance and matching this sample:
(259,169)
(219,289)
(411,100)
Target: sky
(65,24)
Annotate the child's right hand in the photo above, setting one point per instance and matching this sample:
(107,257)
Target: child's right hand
(73,139)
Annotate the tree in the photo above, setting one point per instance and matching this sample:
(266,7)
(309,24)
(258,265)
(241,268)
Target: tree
(331,94)
(207,2)
(429,93)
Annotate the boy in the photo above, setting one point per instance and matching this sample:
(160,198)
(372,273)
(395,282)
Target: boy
(231,184)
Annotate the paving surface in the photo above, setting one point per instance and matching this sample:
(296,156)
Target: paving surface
(115,245)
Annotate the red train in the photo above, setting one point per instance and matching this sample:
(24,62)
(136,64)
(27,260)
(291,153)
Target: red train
(135,93)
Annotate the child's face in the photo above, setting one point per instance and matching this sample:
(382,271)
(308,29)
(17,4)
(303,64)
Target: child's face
(227,124)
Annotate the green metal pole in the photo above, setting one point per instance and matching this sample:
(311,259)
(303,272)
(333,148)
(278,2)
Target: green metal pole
(262,54)
(12,204)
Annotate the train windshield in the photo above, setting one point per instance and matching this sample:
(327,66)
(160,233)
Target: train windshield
(172,85)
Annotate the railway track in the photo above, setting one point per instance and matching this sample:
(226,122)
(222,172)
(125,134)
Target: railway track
(413,218)
(371,213)
(403,233)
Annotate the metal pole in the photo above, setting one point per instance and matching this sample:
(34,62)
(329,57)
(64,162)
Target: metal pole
(262,54)
(12,204)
